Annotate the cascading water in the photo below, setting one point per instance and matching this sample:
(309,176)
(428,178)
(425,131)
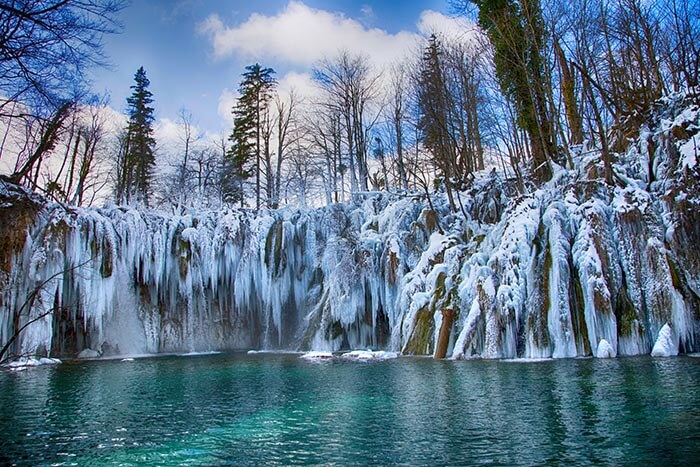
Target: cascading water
(575,268)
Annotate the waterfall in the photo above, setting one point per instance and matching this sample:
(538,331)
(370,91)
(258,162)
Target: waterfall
(575,268)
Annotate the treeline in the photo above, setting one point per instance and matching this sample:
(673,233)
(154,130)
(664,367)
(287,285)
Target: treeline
(527,87)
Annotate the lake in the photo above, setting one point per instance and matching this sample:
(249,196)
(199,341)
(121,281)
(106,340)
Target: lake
(265,409)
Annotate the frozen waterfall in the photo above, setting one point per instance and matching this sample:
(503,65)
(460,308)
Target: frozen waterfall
(575,268)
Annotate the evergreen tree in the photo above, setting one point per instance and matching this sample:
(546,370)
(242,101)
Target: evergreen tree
(243,159)
(238,162)
(433,120)
(137,159)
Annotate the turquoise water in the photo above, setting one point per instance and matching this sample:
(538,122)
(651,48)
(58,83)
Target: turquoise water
(264,409)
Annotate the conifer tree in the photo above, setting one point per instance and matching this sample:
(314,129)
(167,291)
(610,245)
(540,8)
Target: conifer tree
(433,121)
(137,158)
(243,159)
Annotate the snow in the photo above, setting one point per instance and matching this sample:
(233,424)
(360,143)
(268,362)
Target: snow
(575,268)
(666,344)
(24,363)
(317,356)
(690,152)
(368,355)
(605,350)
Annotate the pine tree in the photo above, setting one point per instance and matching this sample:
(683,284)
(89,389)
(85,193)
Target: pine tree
(238,162)
(433,123)
(136,163)
(243,159)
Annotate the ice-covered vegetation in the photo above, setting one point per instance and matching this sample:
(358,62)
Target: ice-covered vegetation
(577,267)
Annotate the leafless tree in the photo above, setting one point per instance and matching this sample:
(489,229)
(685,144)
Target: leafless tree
(351,87)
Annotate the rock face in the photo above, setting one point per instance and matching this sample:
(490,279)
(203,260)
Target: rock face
(574,268)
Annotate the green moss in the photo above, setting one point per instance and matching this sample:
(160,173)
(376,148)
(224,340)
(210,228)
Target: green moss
(439,287)
(184,254)
(334,330)
(675,274)
(273,247)
(546,268)
(625,314)
(392,268)
(106,267)
(314,323)
(578,313)
(419,342)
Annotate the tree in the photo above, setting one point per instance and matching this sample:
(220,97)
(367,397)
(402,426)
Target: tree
(351,87)
(516,30)
(50,130)
(397,116)
(46,47)
(79,177)
(135,167)
(325,131)
(288,134)
(245,157)
(434,123)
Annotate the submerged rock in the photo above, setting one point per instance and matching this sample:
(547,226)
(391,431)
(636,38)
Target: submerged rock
(88,353)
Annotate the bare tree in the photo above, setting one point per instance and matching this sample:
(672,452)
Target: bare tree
(397,114)
(351,87)
(46,47)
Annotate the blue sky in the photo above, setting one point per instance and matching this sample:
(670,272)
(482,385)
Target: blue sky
(194,51)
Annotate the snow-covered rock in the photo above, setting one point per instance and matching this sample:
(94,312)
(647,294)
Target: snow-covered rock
(23,363)
(88,353)
(605,350)
(368,355)
(666,344)
(317,356)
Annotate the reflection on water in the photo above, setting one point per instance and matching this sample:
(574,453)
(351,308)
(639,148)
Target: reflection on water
(254,409)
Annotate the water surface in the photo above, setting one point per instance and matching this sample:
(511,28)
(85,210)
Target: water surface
(279,409)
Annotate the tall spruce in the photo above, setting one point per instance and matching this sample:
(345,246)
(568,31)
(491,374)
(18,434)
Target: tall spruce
(137,159)
(243,159)
(434,121)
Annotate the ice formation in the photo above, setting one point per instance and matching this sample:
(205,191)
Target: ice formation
(575,268)
(666,344)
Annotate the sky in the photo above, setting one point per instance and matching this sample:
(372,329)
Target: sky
(194,51)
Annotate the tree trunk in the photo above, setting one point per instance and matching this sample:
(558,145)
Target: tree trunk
(448,316)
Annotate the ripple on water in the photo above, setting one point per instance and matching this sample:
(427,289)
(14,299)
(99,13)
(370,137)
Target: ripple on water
(262,409)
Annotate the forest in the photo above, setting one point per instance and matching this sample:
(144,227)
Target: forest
(528,86)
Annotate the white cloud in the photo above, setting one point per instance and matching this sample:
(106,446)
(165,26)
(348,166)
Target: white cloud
(451,27)
(301,35)
(368,15)
(301,83)
(167,133)
(227,99)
